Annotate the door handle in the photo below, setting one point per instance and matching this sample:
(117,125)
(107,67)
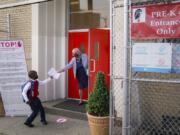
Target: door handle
(94,65)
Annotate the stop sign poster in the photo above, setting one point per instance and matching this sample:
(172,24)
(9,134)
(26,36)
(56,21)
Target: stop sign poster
(13,72)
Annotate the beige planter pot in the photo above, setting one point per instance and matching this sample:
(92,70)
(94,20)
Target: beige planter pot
(98,125)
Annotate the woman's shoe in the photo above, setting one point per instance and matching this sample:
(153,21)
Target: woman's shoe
(80,103)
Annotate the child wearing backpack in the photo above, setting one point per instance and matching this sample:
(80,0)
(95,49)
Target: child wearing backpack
(30,95)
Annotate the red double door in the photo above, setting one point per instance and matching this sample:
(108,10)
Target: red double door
(96,44)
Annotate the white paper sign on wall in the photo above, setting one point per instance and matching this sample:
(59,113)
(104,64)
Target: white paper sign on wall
(13,72)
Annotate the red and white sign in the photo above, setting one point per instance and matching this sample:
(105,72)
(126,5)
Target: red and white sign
(156,21)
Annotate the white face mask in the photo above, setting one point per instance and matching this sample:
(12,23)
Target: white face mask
(75,55)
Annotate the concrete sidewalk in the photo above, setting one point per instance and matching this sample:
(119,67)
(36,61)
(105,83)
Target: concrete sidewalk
(15,126)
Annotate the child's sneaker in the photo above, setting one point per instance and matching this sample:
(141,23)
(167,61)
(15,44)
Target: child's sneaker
(29,124)
(44,122)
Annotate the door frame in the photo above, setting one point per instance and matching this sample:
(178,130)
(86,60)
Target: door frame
(78,30)
(89,46)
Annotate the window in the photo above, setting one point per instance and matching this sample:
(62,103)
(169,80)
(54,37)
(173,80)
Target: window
(89,14)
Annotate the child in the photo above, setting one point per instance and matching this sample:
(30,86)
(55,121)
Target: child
(30,95)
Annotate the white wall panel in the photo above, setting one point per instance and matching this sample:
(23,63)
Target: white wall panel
(49,48)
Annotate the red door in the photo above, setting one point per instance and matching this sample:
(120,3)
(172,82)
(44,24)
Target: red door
(99,55)
(76,40)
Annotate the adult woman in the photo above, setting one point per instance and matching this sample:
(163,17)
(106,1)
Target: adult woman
(79,62)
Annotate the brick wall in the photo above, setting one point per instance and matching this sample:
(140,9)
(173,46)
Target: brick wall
(7,1)
(20,23)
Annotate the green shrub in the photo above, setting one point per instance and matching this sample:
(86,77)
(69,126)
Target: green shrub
(98,103)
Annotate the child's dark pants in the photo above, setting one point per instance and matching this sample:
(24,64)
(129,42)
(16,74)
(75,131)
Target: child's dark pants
(36,107)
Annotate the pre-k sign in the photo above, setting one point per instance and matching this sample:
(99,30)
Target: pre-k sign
(156,21)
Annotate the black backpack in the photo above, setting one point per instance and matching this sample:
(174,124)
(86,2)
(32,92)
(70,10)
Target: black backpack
(24,84)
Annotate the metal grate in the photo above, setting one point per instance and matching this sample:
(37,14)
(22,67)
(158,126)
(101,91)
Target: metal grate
(155,106)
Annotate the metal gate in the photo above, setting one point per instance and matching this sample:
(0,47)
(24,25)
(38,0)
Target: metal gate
(117,56)
(151,103)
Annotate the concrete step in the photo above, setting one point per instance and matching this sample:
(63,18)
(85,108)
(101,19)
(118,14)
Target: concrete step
(49,108)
